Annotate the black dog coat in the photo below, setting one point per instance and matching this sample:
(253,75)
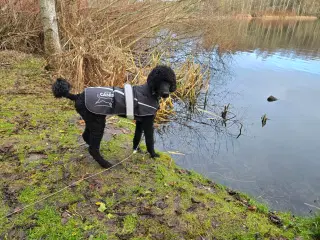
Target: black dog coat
(114,100)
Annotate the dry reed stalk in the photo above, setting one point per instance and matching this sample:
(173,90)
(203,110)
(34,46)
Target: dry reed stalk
(166,110)
(191,81)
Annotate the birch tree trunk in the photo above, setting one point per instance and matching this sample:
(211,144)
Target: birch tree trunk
(50,27)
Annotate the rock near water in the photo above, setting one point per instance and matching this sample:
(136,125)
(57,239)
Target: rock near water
(272,99)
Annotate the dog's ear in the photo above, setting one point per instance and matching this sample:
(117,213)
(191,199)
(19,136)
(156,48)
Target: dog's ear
(173,86)
(152,80)
(172,80)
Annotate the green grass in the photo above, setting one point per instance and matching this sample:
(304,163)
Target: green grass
(49,225)
(130,223)
(144,198)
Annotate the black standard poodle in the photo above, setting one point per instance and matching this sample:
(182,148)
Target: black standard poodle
(139,102)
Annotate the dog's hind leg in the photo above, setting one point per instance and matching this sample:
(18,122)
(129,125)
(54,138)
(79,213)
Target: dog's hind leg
(93,133)
(96,127)
(86,135)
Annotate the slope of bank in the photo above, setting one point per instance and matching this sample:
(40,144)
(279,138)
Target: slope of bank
(41,152)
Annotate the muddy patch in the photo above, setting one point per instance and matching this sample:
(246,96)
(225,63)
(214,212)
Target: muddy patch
(161,204)
(32,157)
(7,148)
(10,195)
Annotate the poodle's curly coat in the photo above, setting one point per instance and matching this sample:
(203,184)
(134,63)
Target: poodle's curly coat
(161,81)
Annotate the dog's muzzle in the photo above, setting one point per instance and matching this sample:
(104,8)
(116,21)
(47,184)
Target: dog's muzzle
(165,95)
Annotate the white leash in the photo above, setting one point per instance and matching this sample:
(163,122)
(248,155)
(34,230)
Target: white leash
(72,184)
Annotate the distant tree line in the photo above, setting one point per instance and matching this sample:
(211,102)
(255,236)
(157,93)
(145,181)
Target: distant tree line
(264,7)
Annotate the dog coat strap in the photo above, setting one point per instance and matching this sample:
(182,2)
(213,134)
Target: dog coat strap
(129,101)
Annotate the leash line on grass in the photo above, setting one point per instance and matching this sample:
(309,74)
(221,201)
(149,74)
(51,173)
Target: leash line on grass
(66,187)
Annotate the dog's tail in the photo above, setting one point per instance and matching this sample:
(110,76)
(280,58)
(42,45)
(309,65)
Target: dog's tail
(61,88)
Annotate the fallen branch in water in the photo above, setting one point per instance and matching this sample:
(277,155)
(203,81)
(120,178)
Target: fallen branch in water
(310,205)
(240,131)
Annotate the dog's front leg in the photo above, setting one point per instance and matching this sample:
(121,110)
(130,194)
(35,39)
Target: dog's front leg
(147,126)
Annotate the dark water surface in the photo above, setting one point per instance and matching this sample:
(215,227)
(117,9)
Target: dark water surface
(280,162)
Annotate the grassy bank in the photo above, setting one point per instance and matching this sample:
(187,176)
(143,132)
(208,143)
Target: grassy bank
(42,152)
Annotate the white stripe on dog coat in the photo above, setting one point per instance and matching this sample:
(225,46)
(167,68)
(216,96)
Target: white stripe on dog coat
(128,93)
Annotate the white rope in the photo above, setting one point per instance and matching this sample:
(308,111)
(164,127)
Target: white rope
(62,189)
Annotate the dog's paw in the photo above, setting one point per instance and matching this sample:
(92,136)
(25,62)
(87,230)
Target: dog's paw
(155,155)
(105,164)
(138,150)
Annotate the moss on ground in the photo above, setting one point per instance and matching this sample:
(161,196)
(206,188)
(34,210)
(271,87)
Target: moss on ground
(141,198)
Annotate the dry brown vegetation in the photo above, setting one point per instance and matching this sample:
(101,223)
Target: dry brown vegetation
(108,43)
(116,41)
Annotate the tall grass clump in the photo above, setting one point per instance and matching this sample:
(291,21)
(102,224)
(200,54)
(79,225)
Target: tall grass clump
(315,226)
(110,42)
(192,80)
(20,31)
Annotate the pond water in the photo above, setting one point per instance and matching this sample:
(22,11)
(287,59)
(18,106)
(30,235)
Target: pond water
(279,163)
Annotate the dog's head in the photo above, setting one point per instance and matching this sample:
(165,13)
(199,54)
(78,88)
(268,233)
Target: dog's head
(162,81)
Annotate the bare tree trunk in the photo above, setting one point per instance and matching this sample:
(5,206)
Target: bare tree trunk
(50,27)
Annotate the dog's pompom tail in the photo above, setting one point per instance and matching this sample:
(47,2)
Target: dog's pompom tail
(61,88)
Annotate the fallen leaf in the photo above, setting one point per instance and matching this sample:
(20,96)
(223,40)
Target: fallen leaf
(17,209)
(109,215)
(82,122)
(252,208)
(172,183)
(102,206)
